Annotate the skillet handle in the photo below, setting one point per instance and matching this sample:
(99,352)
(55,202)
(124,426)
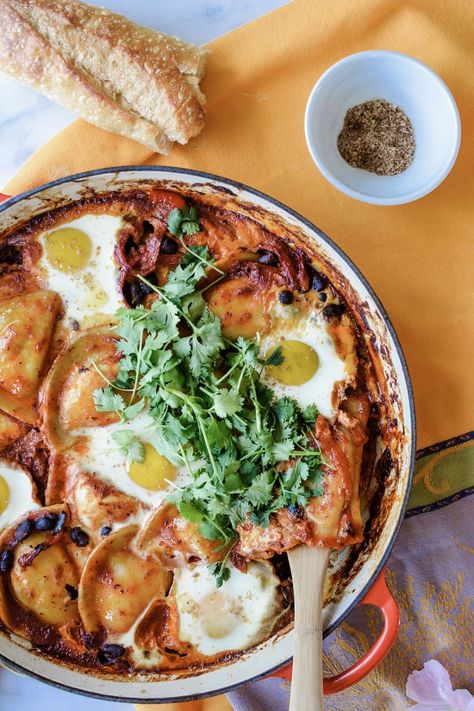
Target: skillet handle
(380,596)
(4,197)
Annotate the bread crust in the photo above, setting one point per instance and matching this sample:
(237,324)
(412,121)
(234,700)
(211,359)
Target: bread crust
(117,75)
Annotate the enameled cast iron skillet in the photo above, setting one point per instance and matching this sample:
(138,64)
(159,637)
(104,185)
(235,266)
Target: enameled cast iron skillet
(363,580)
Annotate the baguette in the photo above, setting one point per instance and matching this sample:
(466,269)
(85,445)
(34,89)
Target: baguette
(138,68)
(117,75)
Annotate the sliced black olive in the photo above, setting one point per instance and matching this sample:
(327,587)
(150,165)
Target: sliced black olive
(71,591)
(60,522)
(168,246)
(105,531)
(23,530)
(135,294)
(46,522)
(333,310)
(153,279)
(268,258)
(135,291)
(319,281)
(79,537)
(6,560)
(285,297)
(110,653)
(322,296)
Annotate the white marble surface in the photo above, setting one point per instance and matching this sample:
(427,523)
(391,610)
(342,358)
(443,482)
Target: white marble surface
(27,120)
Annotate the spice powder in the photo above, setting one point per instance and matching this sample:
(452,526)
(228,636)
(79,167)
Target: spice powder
(377,136)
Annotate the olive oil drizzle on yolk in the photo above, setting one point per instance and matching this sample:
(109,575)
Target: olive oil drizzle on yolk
(300,363)
(68,250)
(152,472)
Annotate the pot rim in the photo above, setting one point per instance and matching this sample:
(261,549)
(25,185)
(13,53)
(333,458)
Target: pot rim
(411,419)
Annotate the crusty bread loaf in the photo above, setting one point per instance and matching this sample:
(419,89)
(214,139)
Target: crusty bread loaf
(113,73)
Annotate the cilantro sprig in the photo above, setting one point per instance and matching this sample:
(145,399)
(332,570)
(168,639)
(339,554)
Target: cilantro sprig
(248,454)
(183,222)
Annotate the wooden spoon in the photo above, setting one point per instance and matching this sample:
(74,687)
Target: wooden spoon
(308,570)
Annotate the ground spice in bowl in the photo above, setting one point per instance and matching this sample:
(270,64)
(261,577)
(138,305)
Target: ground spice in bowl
(377,136)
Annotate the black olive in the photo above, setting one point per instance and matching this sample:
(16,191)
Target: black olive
(319,281)
(23,530)
(46,522)
(71,591)
(332,310)
(135,291)
(135,294)
(110,653)
(6,560)
(285,297)
(88,640)
(153,279)
(105,531)
(296,511)
(60,522)
(322,296)
(168,246)
(268,258)
(79,537)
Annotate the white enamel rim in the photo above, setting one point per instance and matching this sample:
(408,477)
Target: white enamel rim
(275,653)
(453,129)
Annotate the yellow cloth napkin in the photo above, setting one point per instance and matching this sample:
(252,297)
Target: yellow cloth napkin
(418,257)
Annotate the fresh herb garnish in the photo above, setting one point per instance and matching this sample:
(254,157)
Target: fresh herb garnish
(247,454)
(183,222)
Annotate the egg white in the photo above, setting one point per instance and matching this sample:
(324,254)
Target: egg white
(312,330)
(91,292)
(141,658)
(103,458)
(21,498)
(237,615)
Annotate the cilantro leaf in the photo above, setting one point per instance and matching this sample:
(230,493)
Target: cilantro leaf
(130,445)
(247,454)
(106,400)
(183,222)
(227,402)
(276,358)
(310,414)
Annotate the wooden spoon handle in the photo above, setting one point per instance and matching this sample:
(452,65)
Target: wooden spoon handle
(308,570)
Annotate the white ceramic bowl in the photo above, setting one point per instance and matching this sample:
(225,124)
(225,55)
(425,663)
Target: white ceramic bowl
(406,82)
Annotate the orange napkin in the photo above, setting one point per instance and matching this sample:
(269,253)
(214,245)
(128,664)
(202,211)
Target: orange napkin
(418,257)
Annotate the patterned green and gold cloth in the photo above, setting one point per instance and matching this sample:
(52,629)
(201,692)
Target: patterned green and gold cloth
(431,575)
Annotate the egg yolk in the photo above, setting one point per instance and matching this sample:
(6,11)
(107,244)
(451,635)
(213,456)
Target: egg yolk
(68,250)
(300,363)
(4,494)
(152,472)
(228,619)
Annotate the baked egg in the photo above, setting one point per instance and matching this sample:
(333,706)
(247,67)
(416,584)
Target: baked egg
(149,481)
(17,493)
(237,615)
(78,262)
(311,367)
